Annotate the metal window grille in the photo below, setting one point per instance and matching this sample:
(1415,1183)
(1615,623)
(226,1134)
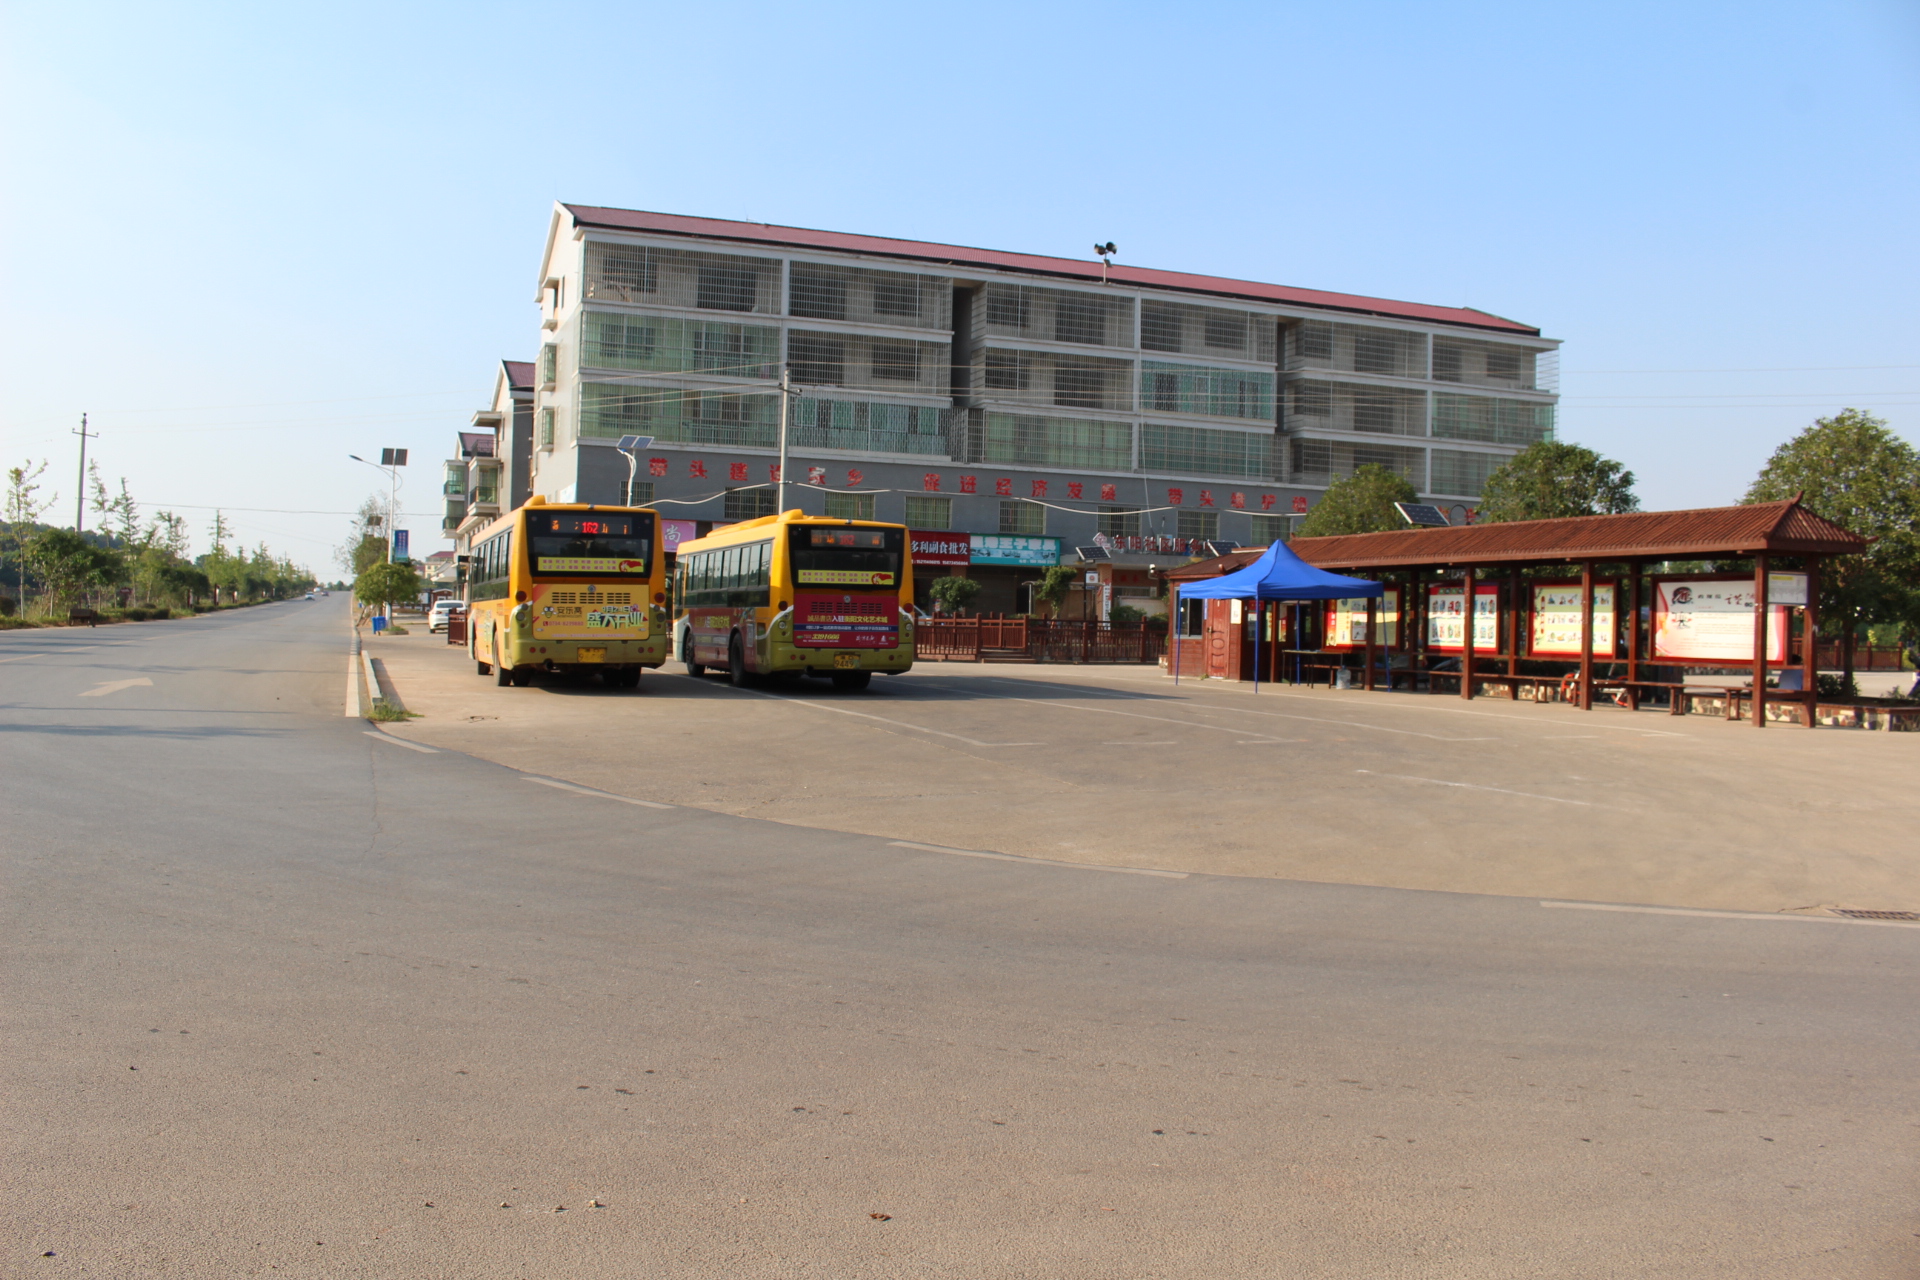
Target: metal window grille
(678,415)
(895,361)
(1457,473)
(682,278)
(747,504)
(546,428)
(549,364)
(857,360)
(1059,315)
(929,513)
(1491,364)
(1079,443)
(817,359)
(1271,529)
(671,344)
(1045,377)
(640,493)
(1352,348)
(1118,522)
(864,426)
(1205,451)
(1207,331)
(1352,406)
(1020,516)
(1322,462)
(828,291)
(1492,420)
(1215,393)
(817,292)
(850,506)
(1204,525)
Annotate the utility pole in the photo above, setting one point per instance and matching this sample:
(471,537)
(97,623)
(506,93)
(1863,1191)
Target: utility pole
(80,503)
(780,487)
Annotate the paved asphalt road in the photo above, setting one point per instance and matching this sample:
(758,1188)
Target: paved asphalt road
(284,997)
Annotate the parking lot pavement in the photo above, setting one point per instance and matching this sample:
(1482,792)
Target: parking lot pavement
(1114,765)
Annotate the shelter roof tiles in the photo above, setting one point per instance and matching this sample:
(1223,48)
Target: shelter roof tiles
(962,256)
(1654,535)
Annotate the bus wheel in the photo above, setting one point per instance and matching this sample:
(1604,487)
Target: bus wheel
(521,677)
(502,674)
(694,669)
(737,663)
(628,679)
(485,670)
(852,679)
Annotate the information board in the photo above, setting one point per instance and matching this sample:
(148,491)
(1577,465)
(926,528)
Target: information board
(1556,619)
(1445,615)
(1008,548)
(1347,622)
(1711,620)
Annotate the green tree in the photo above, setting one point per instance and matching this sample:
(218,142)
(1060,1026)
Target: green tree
(1550,479)
(67,565)
(1854,471)
(1055,585)
(385,583)
(24,507)
(1361,503)
(952,593)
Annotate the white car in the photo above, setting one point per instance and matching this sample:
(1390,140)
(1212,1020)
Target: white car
(312,596)
(437,616)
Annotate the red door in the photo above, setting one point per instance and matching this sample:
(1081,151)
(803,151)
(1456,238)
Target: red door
(1218,638)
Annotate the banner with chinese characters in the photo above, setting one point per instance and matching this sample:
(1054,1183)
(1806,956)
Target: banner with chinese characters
(1008,548)
(1556,619)
(1711,620)
(1347,622)
(1445,615)
(939,550)
(675,532)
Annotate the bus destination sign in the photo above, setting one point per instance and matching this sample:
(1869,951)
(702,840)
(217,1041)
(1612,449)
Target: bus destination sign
(844,578)
(590,564)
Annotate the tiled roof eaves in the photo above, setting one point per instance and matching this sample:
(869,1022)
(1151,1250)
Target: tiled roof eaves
(1062,268)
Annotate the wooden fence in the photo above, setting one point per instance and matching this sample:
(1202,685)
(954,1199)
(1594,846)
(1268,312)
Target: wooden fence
(1036,640)
(1866,657)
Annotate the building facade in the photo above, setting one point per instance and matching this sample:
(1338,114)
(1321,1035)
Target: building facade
(1037,405)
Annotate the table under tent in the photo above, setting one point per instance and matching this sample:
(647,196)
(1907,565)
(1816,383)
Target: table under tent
(1278,577)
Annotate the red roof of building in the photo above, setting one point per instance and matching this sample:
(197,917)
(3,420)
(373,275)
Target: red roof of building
(961,256)
(519,374)
(1785,527)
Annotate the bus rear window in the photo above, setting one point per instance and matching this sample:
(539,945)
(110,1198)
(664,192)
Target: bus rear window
(588,544)
(824,556)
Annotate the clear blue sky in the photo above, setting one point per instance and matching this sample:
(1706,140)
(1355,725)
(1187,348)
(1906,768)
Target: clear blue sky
(250,239)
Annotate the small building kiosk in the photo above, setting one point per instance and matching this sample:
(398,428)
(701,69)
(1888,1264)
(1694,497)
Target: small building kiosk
(1528,607)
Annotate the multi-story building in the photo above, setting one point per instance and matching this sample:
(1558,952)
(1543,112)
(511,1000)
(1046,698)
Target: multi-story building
(1030,403)
(494,469)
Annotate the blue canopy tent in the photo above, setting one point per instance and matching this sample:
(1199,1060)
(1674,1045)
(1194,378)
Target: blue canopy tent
(1277,575)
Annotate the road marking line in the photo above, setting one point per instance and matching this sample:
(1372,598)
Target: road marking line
(49,653)
(821,706)
(1042,862)
(1727,915)
(400,742)
(352,703)
(115,686)
(590,791)
(1140,744)
(1442,782)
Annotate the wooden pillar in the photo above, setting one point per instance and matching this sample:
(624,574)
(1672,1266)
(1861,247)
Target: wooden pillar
(1586,635)
(1466,636)
(1759,700)
(1633,619)
(1810,640)
(1366,680)
(1514,587)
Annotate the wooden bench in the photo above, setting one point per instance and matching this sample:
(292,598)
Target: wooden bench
(1807,700)
(77,616)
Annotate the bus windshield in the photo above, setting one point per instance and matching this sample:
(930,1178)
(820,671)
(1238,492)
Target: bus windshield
(589,544)
(825,556)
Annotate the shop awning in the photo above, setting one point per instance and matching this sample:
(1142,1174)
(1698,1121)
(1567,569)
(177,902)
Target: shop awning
(1279,575)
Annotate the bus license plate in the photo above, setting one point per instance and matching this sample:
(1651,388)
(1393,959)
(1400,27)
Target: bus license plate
(593,655)
(846,659)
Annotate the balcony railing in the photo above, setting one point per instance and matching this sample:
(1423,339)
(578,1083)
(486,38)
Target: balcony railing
(456,488)
(486,494)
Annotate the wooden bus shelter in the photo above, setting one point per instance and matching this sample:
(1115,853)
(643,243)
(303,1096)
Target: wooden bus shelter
(1475,602)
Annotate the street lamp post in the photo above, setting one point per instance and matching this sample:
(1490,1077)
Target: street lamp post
(391,460)
(630,446)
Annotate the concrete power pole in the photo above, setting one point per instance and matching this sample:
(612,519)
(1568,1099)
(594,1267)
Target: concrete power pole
(80,503)
(780,486)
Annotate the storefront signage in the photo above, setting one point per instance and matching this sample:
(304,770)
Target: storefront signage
(933,549)
(1711,620)
(675,532)
(1347,622)
(1444,617)
(1557,615)
(1006,548)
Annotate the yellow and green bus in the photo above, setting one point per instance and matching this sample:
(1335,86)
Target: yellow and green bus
(794,594)
(568,587)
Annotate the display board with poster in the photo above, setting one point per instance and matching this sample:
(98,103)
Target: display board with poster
(1347,622)
(940,549)
(1711,620)
(1557,613)
(1445,634)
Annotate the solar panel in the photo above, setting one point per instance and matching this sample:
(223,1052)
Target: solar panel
(1093,553)
(1217,548)
(1422,515)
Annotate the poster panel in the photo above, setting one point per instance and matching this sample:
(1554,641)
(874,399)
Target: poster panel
(1015,549)
(675,532)
(1711,620)
(1556,620)
(1445,614)
(1347,622)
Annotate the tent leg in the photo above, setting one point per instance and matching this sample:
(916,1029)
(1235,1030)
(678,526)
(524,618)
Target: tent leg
(1259,616)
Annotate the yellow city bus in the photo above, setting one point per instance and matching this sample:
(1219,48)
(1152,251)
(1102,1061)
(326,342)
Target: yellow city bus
(568,587)
(796,594)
